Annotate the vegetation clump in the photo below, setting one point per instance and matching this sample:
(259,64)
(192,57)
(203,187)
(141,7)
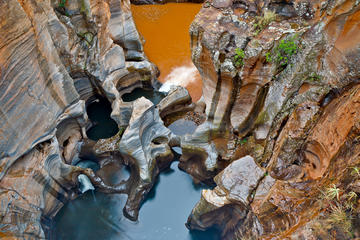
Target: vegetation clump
(332,192)
(61,8)
(261,22)
(338,217)
(314,78)
(239,57)
(241,141)
(62,3)
(283,52)
(87,37)
(355,171)
(339,209)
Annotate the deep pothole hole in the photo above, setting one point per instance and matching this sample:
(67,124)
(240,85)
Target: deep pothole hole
(102,125)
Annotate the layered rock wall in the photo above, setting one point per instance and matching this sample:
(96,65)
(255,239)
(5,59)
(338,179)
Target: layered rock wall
(280,83)
(55,56)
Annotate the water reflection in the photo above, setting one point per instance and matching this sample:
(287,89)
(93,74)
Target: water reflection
(182,127)
(162,215)
(154,96)
(161,218)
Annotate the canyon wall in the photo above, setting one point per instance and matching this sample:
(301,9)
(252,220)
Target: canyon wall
(55,56)
(280,142)
(281,90)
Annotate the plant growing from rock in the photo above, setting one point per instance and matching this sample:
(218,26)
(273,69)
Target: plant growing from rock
(239,57)
(241,141)
(332,192)
(62,3)
(340,218)
(262,21)
(314,77)
(61,8)
(283,52)
(338,211)
(268,57)
(350,200)
(87,37)
(355,171)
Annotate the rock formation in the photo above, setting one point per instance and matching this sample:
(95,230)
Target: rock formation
(144,146)
(145,2)
(176,102)
(54,57)
(280,95)
(280,83)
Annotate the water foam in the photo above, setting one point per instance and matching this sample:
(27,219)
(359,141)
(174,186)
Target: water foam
(179,76)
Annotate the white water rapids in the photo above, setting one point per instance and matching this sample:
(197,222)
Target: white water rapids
(179,76)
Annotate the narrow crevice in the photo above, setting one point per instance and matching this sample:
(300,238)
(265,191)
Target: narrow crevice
(249,123)
(216,98)
(236,84)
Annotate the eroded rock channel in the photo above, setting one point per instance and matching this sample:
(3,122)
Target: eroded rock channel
(89,139)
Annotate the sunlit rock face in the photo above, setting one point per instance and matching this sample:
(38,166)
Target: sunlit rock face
(53,59)
(298,119)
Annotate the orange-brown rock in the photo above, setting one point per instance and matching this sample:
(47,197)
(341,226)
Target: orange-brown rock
(298,118)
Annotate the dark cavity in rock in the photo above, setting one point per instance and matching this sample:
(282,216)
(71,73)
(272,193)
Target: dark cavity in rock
(102,125)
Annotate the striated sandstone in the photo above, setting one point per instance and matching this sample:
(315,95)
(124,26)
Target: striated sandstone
(299,120)
(53,61)
(144,146)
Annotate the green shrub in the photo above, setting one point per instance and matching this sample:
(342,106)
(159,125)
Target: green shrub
(239,57)
(242,141)
(268,57)
(62,3)
(314,77)
(283,52)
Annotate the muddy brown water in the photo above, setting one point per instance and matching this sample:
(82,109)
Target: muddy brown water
(165,29)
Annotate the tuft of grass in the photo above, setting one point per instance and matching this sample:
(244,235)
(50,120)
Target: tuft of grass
(340,209)
(350,200)
(355,171)
(239,57)
(262,22)
(339,218)
(351,196)
(332,192)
